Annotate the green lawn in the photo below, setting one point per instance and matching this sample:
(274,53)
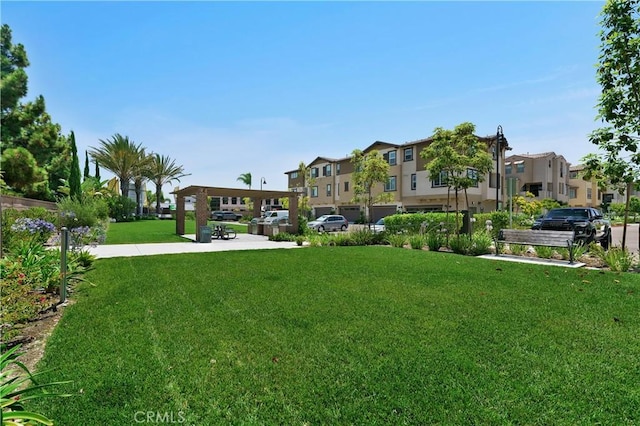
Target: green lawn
(154,231)
(347,335)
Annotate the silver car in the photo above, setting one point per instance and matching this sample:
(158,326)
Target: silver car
(329,222)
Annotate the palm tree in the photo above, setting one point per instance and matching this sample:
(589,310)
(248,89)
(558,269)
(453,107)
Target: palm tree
(140,175)
(246,179)
(163,170)
(118,155)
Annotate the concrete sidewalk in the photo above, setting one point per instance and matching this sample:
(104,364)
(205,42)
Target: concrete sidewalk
(241,242)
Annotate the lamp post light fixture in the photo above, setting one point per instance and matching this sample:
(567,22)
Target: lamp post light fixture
(262,181)
(499,138)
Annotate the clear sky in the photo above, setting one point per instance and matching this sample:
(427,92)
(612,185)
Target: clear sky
(226,88)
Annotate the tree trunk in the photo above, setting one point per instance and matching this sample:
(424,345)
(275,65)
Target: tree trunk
(124,187)
(158,201)
(626,215)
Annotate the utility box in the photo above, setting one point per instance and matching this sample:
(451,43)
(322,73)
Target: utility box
(205,234)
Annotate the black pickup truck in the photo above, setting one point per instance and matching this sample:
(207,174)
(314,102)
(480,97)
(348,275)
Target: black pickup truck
(587,223)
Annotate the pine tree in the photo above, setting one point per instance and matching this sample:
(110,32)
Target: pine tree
(87,173)
(74,176)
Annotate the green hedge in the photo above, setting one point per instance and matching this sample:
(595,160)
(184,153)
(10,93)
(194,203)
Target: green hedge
(411,223)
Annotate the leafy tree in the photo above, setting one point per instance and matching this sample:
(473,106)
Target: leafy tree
(618,73)
(304,205)
(28,125)
(246,179)
(528,204)
(549,203)
(22,174)
(163,170)
(74,176)
(369,170)
(460,156)
(87,172)
(118,155)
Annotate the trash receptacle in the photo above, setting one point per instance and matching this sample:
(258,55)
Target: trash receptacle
(205,234)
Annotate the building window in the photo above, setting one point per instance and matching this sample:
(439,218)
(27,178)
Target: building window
(346,187)
(573,193)
(440,180)
(326,170)
(508,169)
(414,181)
(314,172)
(338,168)
(268,201)
(561,169)
(234,200)
(225,200)
(588,193)
(391,184)
(408,154)
(328,190)
(314,191)
(473,175)
(293,175)
(560,188)
(573,175)
(520,167)
(390,157)
(549,187)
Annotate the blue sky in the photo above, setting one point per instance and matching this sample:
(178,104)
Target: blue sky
(226,88)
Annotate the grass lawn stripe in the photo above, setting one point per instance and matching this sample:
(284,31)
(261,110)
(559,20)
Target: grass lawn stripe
(349,335)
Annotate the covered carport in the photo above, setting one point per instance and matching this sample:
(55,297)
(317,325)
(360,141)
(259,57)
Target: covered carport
(202,205)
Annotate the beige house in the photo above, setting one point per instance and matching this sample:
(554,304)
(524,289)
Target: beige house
(545,175)
(413,190)
(586,193)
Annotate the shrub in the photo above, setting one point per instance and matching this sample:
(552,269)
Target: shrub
(517,249)
(396,240)
(363,237)
(617,259)
(76,213)
(435,240)
(499,221)
(122,209)
(461,244)
(417,241)
(481,243)
(414,223)
(342,239)
(282,236)
(544,252)
(300,240)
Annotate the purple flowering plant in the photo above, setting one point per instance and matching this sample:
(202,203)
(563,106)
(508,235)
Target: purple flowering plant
(38,229)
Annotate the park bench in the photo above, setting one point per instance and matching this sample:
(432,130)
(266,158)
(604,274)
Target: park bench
(222,232)
(534,237)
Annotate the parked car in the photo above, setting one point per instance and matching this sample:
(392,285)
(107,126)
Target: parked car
(588,224)
(329,222)
(276,216)
(378,227)
(225,215)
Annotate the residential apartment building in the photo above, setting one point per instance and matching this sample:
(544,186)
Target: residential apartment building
(586,193)
(412,189)
(545,175)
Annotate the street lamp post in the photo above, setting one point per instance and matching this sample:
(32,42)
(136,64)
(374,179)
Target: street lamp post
(262,181)
(499,136)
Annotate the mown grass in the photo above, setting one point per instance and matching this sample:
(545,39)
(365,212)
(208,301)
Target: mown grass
(347,335)
(155,231)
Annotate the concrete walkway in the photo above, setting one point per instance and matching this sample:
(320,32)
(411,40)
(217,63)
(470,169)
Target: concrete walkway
(241,242)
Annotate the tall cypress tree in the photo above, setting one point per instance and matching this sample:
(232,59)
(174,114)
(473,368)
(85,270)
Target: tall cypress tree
(74,176)
(87,173)
(97,171)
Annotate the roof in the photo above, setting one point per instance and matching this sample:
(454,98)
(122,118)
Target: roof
(539,155)
(233,192)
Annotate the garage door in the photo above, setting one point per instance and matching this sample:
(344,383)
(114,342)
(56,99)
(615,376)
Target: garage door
(382,211)
(322,210)
(351,213)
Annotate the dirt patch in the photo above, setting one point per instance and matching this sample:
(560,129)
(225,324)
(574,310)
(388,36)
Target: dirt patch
(34,335)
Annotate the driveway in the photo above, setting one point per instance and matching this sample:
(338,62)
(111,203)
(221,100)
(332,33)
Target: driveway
(632,236)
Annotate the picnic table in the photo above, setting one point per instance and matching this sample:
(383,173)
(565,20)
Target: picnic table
(222,232)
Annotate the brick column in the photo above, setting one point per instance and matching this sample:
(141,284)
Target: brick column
(201,211)
(293,212)
(180,215)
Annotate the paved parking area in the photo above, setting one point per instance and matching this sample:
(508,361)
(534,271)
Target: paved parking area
(632,240)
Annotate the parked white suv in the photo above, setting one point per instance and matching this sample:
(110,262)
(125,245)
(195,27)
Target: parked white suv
(276,216)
